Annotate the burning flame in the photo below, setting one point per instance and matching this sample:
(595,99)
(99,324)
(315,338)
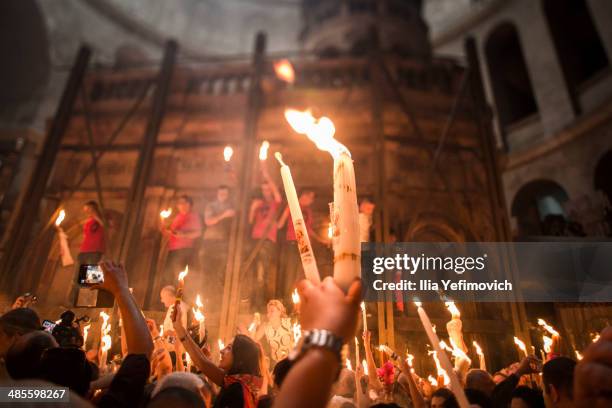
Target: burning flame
(60,218)
(362,305)
(188,359)
(364,364)
(452,308)
(548,327)
(478,349)
(198,302)
(458,353)
(221,344)
(105,332)
(295,297)
(320,131)
(596,338)
(184,273)
(432,380)
(85,334)
(409,358)
(228,152)
(330,231)
(547,343)
(578,355)
(440,371)
(198,315)
(284,71)
(445,346)
(349,365)
(263,150)
(418,304)
(386,349)
(519,343)
(297,332)
(161,330)
(165,213)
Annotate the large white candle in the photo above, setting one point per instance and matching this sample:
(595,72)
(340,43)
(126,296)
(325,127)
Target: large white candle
(455,385)
(301,232)
(345,212)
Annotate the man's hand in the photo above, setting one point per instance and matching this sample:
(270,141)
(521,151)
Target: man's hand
(593,374)
(152,327)
(529,365)
(327,307)
(115,278)
(178,323)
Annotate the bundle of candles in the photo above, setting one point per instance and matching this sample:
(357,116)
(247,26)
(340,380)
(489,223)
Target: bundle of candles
(105,339)
(199,316)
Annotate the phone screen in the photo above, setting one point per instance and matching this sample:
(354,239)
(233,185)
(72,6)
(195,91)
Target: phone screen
(90,275)
(48,325)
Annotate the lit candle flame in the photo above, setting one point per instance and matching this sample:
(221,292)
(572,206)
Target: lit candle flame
(349,365)
(263,150)
(198,302)
(409,358)
(198,315)
(165,213)
(183,274)
(228,152)
(320,131)
(578,355)
(85,334)
(221,344)
(548,327)
(284,71)
(364,364)
(330,231)
(60,218)
(520,344)
(188,360)
(445,346)
(105,340)
(596,337)
(432,380)
(478,349)
(547,343)
(452,308)
(297,332)
(295,297)
(418,304)
(362,305)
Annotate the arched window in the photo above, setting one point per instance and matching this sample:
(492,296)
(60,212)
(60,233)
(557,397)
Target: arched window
(538,208)
(512,89)
(578,45)
(603,175)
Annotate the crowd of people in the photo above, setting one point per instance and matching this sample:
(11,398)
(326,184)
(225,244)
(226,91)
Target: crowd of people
(174,366)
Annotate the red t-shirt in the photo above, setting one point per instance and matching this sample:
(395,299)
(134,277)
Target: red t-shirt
(307,214)
(265,215)
(188,222)
(93,236)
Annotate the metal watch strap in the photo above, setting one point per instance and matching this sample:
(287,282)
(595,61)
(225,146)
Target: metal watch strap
(324,339)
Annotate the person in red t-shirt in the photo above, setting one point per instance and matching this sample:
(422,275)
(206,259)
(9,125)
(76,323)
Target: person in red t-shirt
(293,270)
(93,245)
(262,217)
(182,234)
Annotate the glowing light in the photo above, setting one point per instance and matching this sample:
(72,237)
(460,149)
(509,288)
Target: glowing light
(432,381)
(297,332)
(161,330)
(578,355)
(364,364)
(228,152)
(521,345)
(418,304)
(478,349)
(596,337)
(445,346)
(183,274)
(60,218)
(452,308)
(198,315)
(330,231)
(221,344)
(85,334)
(284,71)
(547,343)
(320,131)
(198,302)
(348,364)
(295,297)
(188,360)
(106,340)
(548,327)
(165,213)
(409,358)
(263,150)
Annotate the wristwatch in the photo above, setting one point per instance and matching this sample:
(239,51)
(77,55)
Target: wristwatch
(318,339)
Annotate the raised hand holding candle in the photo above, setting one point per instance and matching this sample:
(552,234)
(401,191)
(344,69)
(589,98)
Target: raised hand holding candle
(445,363)
(301,233)
(363,316)
(179,291)
(521,345)
(345,212)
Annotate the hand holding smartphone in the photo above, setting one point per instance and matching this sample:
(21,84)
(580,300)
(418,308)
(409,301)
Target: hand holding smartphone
(90,275)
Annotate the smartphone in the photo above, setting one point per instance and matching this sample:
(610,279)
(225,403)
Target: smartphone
(48,325)
(90,275)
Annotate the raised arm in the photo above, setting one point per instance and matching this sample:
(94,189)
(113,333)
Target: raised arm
(373,379)
(137,337)
(407,380)
(325,307)
(273,186)
(208,368)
